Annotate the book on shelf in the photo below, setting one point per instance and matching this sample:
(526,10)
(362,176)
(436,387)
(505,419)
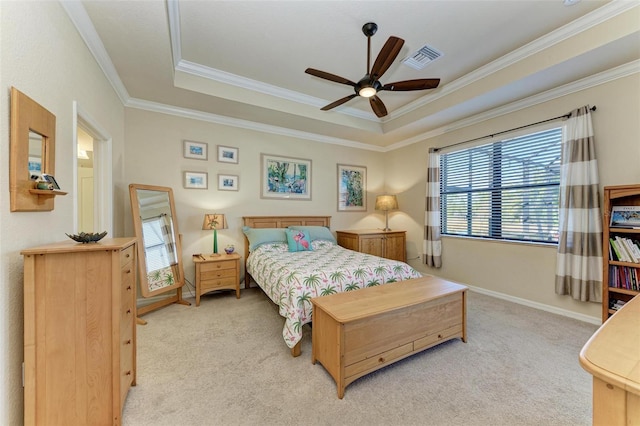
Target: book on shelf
(624,277)
(625,249)
(625,217)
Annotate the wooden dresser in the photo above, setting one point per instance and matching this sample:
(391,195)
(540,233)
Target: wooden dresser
(387,244)
(79,331)
(612,356)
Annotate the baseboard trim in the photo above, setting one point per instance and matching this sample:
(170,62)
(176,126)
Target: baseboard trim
(536,305)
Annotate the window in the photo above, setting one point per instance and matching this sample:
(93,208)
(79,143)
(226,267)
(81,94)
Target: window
(155,248)
(505,190)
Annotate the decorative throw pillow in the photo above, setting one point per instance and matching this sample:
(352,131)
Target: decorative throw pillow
(316,232)
(259,236)
(298,240)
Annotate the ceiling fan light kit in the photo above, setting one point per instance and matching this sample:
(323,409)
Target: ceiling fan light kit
(369,85)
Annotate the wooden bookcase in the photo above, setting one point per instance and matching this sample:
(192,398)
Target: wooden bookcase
(620,195)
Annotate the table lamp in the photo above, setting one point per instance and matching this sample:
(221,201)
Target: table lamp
(214,221)
(386,203)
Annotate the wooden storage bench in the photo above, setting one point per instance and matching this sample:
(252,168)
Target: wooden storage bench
(357,332)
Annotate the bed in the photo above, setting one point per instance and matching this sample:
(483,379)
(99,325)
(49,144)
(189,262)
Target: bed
(295,258)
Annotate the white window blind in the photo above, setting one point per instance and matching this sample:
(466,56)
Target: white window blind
(506,190)
(155,249)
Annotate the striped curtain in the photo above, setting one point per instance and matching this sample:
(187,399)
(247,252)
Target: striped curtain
(579,258)
(167,236)
(432,247)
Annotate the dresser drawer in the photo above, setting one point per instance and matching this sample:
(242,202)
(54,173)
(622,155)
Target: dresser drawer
(434,339)
(126,361)
(127,255)
(377,361)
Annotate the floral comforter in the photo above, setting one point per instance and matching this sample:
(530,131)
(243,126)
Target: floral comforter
(291,279)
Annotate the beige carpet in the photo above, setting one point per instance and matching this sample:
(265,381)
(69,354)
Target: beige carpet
(225,363)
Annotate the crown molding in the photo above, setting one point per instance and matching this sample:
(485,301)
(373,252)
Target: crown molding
(245,124)
(567,89)
(556,36)
(88,33)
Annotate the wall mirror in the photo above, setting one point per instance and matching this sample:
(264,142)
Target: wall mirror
(159,245)
(32,152)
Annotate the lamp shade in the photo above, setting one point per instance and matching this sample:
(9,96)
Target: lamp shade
(214,221)
(386,202)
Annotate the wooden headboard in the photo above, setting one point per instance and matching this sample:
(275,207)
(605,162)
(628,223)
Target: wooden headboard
(277,222)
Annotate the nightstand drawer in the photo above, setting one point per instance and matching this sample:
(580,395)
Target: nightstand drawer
(216,283)
(214,266)
(218,273)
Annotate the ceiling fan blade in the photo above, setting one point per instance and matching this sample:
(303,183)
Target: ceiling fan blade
(338,102)
(419,84)
(386,56)
(377,106)
(330,77)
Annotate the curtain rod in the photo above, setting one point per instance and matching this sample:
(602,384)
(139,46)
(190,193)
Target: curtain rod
(593,108)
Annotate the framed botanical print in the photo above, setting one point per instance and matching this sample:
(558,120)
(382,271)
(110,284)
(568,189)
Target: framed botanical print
(227,154)
(352,188)
(196,150)
(285,177)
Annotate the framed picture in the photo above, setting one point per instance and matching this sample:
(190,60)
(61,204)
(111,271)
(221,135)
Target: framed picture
(197,150)
(285,177)
(352,188)
(227,182)
(227,154)
(196,180)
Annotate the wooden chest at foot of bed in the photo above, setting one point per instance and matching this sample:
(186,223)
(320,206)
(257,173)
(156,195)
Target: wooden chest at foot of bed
(357,332)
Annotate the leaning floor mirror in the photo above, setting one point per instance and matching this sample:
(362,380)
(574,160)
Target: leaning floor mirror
(159,247)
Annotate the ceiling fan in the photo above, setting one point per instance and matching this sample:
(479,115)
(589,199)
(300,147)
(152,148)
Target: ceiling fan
(369,85)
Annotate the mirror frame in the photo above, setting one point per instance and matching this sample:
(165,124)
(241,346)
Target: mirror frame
(27,115)
(137,224)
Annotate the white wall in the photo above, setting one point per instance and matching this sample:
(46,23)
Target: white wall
(154,157)
(42,55)
(519,270)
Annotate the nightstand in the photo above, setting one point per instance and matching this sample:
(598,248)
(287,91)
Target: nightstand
(217,272)
(387,244)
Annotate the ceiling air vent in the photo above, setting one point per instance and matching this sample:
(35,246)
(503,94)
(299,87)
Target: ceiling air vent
(422,57)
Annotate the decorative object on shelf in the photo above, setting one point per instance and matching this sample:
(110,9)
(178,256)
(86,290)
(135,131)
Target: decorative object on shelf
(196,180)
(386,203)
(227,183)
(227,154)
(352,188)
(44,185)
(214,221)
(229,249)
(285,178)
(87,237)
(196,150)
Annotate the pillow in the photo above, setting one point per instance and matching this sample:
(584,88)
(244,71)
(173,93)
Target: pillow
(259,236)
(316,232)
(298,240)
